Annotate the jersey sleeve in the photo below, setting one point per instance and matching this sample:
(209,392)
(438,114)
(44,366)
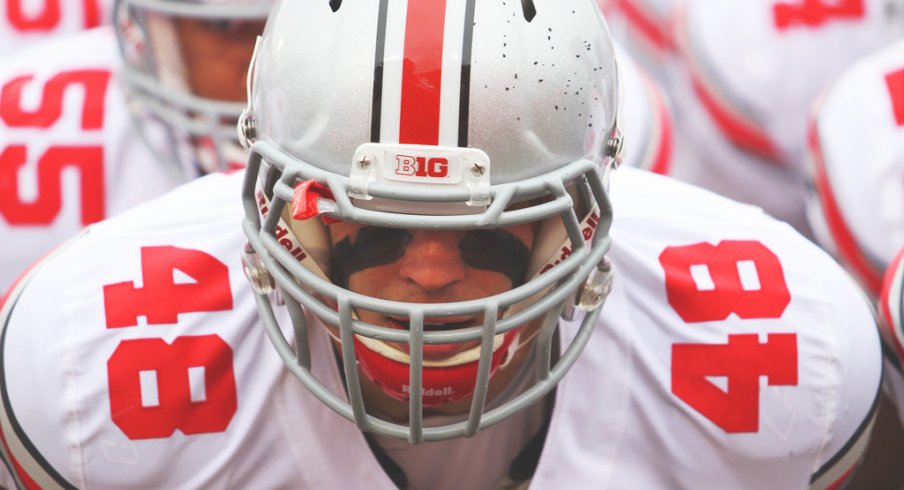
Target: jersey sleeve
(758,348)
(858,352)
(25,464)
(131,353)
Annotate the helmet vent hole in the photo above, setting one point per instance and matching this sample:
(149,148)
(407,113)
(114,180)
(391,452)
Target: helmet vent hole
(527,6)
(335,4)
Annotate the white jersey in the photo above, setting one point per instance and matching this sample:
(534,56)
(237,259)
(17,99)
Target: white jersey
(857,211)
(68,154)
(749,73)
(24,22)
(731,353)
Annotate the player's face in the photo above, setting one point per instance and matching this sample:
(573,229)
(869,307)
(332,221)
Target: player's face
(217,53)
(420,266)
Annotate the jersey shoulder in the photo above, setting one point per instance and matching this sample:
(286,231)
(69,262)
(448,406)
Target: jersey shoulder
(703,282)
(125,329)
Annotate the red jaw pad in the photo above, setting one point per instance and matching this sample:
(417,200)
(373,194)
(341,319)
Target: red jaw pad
(440,384)
(304,201)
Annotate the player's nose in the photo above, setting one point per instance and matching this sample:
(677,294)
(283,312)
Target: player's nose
(432,260)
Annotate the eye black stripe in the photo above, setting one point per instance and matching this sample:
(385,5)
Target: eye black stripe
(373,246)
(489,250)
(497,251)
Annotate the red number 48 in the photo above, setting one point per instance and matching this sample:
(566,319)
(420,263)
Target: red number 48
(188,385)
(707,283)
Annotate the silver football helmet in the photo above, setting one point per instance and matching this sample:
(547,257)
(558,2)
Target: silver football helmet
(422,117)
(182,121)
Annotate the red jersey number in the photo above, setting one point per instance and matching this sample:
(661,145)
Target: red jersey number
(815,13)
(86,161)
(161,299)
(189,385)
(157,388)
(47,18)
(93,82)
(740,362)
(706,283)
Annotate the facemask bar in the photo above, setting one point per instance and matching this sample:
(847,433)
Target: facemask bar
(252,9)
(183,114)
(562,281)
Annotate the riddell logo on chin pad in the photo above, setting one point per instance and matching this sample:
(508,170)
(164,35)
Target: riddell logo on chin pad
(444,391)
(411,166)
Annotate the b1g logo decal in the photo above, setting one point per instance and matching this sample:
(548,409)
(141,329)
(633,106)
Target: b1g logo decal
(425,169)
(421,166)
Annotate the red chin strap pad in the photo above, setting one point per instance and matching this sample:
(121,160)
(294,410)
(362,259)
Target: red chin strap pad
(440,384)
(304,201)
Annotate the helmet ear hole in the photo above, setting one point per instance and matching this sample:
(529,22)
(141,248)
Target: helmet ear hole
(335,4)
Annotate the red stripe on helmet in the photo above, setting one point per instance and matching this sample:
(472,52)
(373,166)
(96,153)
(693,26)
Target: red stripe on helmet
(422,72)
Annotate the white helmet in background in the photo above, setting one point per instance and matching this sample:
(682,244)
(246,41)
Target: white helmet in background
(418,117)
(856,166)
(184,72)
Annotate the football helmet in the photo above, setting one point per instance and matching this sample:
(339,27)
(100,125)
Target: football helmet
(857,211)
(431,117)
(183,122)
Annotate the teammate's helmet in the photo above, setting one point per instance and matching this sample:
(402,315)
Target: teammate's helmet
(857,211)
(183,72)
(451,117)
